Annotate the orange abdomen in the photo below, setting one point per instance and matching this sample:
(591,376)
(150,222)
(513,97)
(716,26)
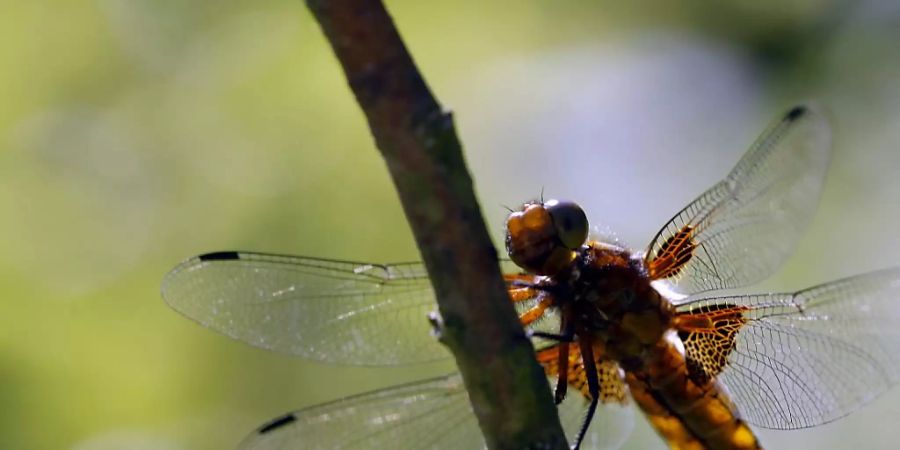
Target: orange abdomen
(686,415)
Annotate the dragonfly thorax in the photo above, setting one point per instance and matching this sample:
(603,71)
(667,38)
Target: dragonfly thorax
(613,301)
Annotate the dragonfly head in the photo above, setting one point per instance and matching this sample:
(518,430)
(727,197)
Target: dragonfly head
(542,237)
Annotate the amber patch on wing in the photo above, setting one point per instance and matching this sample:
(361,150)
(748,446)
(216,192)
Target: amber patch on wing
(673,254)
(612,384)
(709,336)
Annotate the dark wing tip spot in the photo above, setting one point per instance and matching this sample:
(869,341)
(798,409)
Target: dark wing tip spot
(219,256)
(277,423)
(796,113)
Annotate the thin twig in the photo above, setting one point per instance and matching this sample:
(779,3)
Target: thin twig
(417,139)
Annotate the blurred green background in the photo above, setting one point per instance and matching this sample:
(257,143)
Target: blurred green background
(137,133)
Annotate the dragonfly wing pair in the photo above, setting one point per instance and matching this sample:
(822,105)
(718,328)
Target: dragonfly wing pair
(788,360)
(360,314)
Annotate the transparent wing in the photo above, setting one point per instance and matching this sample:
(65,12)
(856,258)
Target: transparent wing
(333,311)
(326,310)
(430,414)
(742,229)
(808,358)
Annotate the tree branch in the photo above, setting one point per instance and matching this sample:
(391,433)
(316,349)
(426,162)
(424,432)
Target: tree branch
(417,139)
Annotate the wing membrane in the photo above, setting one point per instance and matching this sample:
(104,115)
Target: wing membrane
(430,414)
(742,229)
(332,311)
(811,357)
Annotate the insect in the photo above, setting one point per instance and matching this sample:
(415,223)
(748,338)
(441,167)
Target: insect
(613,326)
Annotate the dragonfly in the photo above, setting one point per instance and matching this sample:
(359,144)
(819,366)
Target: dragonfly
(614,329)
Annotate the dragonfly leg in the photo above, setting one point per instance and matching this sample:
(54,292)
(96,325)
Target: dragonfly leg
(520,294)
(536,311)
(562,378)
(590,371)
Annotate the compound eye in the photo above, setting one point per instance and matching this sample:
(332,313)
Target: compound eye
(570,221)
